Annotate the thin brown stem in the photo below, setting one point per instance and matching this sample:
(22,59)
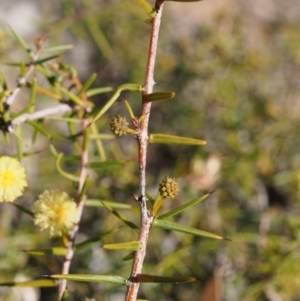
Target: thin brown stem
(146,218)
(80,206)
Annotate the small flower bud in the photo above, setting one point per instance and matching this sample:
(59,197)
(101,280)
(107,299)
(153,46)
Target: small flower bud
(119,125)
(168,188)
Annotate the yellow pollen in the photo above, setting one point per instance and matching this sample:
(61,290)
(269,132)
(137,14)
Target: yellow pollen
(7,179)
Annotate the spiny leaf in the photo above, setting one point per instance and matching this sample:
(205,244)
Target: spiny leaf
(170,139)
(184,207)
(184,229)
(92,278)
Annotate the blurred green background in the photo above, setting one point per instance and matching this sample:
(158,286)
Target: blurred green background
(235,68)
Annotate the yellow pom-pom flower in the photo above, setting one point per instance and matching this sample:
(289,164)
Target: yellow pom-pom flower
(12,179)
(56,212)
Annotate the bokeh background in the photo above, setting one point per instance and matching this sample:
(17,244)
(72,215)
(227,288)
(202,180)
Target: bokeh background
(235,68)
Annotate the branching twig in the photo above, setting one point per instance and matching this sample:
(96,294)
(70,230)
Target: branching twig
(22,80)
(146,218)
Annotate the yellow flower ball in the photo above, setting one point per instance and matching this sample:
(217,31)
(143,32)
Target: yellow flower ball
(56,212)
(12,179)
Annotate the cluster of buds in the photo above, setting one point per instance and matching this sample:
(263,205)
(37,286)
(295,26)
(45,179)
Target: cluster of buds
(119,125)
(168,188)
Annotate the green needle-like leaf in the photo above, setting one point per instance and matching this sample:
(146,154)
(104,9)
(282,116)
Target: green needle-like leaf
(31,283)
(62,172)
(23,209)
(110,102)
(57,251)
(184,207)
(147,7)
(170,139)
(19,142)
(87,84)
(3,83)
(129,246)
(32,96)
(20,40)
(184,229)
(157,96)
(72,96)
(60,48)
(129,109)
(64,119)
(96,91)
(99,203)
(128,256)
(39,128)
(48,93)
(99,37)
(46,59)
(95,165)
(91,241)
(92,278)
(150,198)
(122,217)
(144,278)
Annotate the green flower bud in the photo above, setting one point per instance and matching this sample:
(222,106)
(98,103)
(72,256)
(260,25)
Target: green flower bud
(119,125)
(168,188)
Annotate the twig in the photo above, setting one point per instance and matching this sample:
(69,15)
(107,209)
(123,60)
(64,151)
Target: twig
(22,80)
(58,110)
(80,206)
(146,218)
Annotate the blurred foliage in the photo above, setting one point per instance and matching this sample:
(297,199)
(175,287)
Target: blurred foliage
(241,96)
